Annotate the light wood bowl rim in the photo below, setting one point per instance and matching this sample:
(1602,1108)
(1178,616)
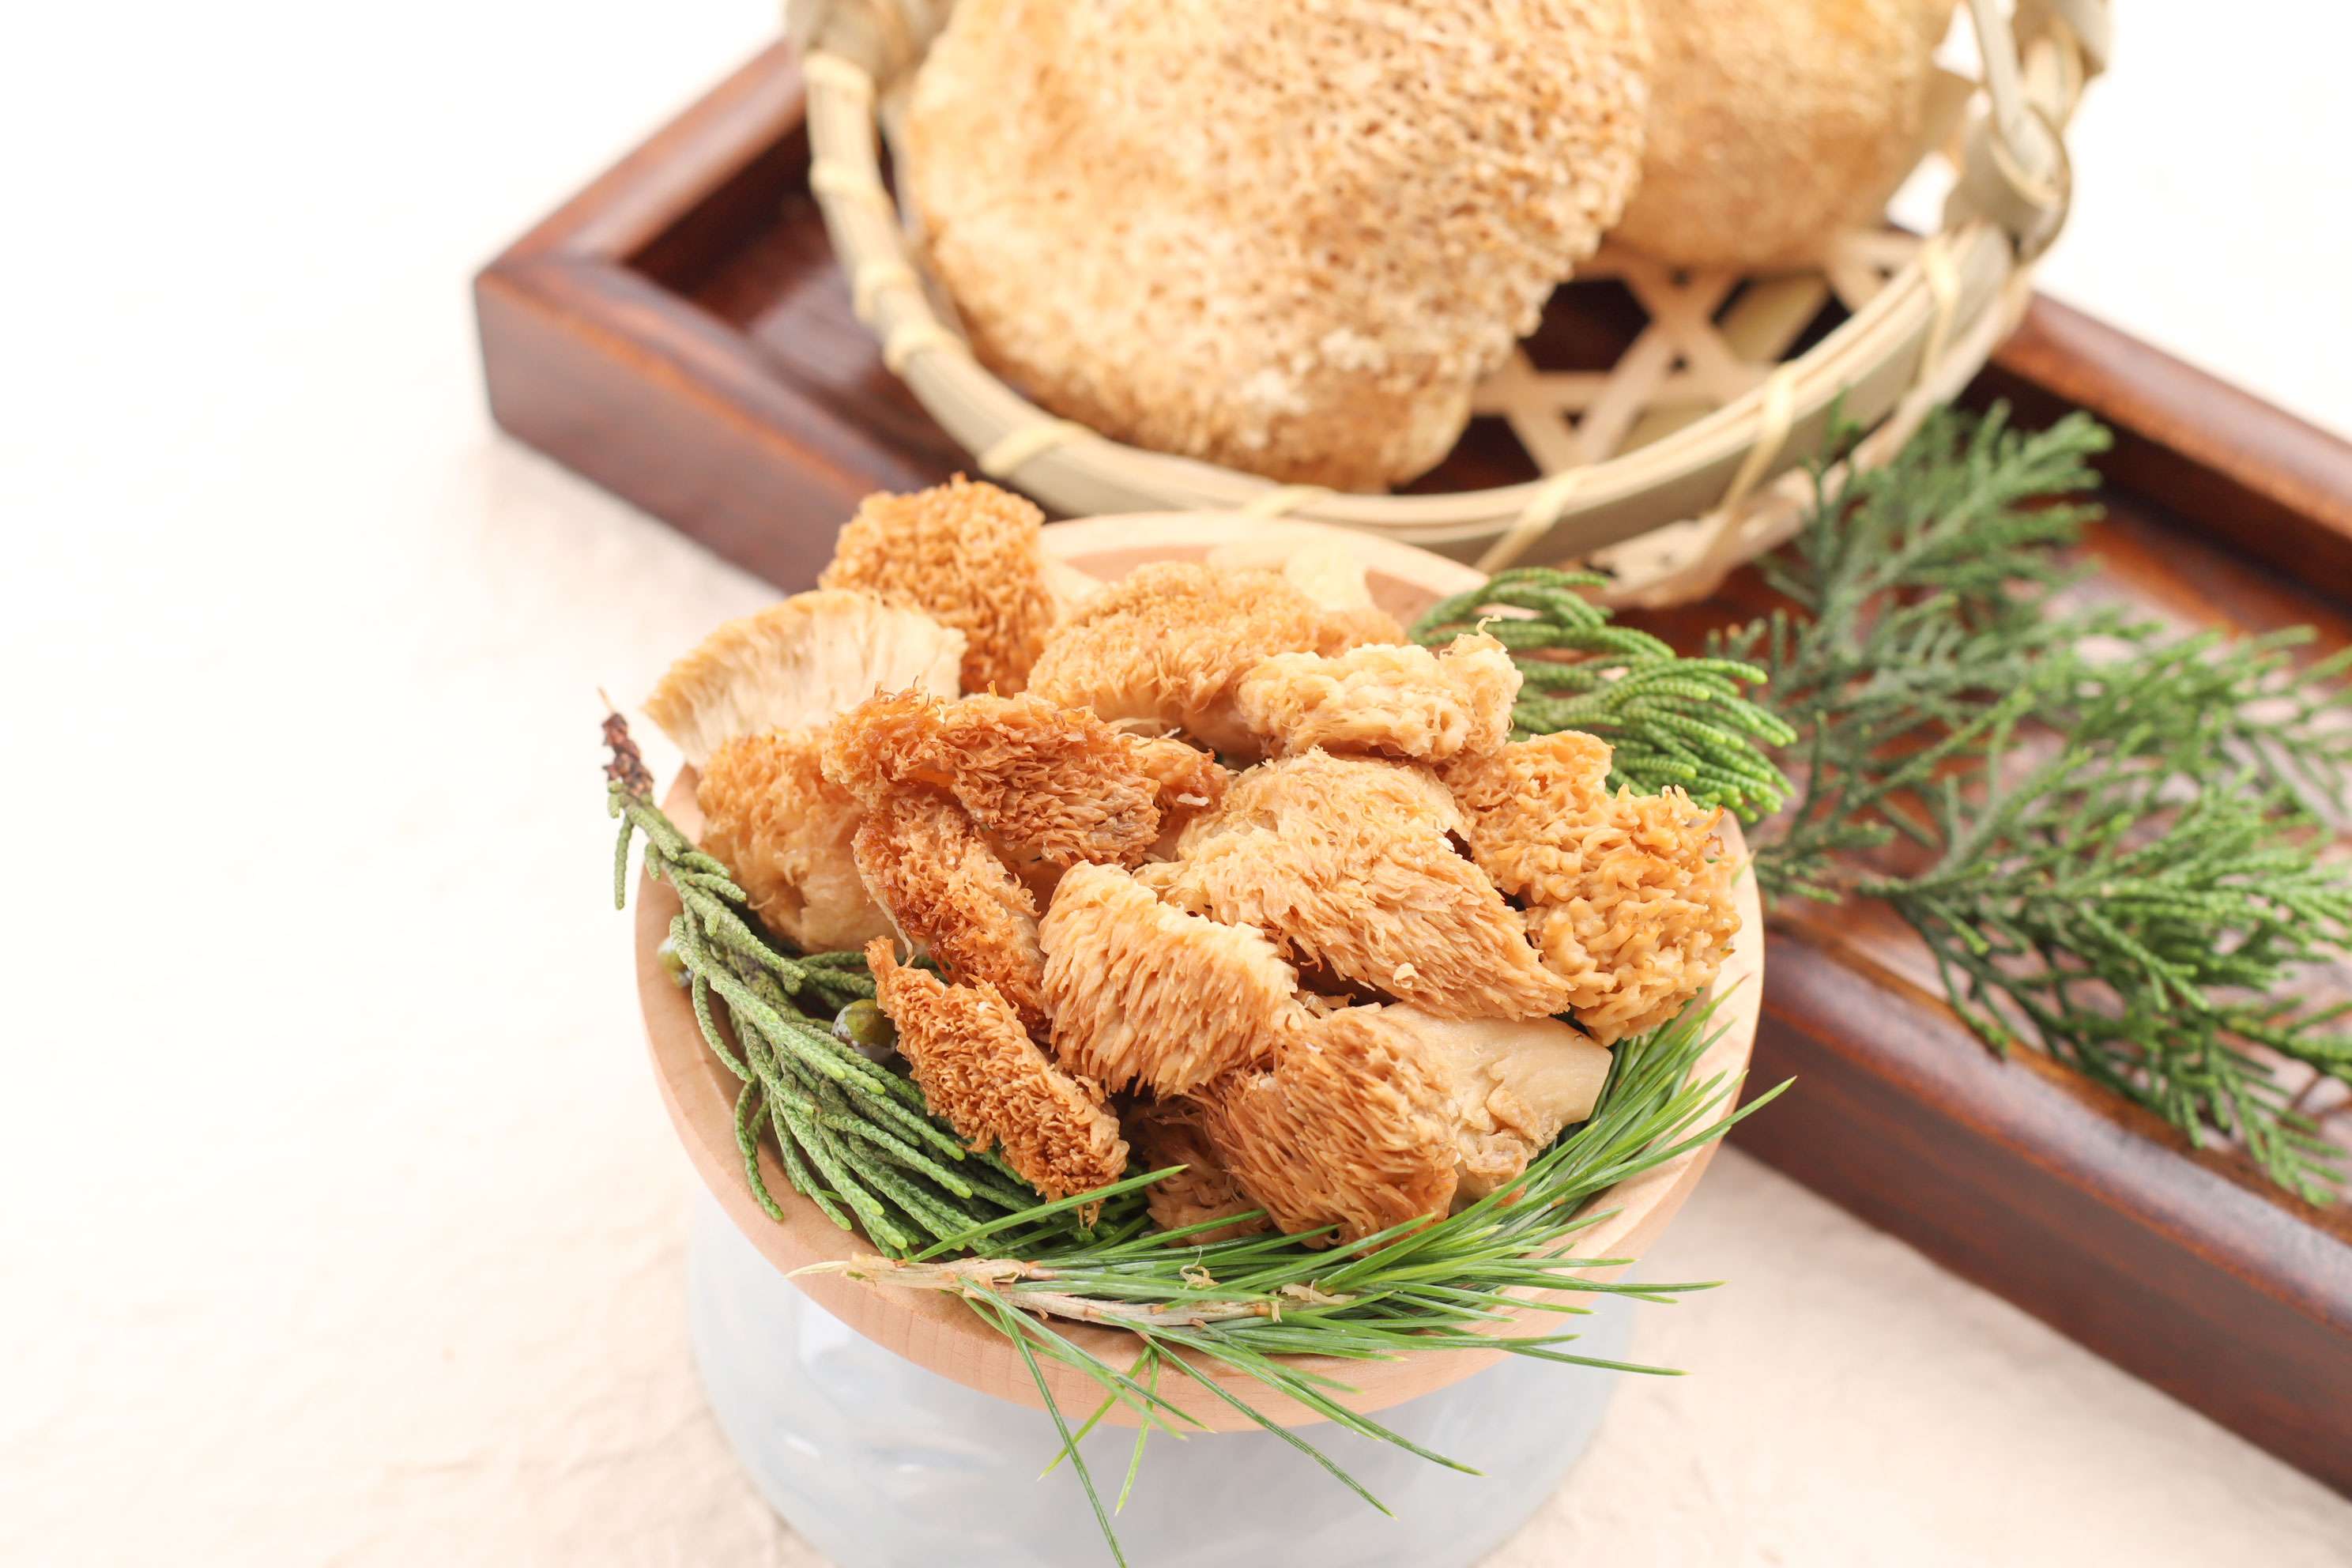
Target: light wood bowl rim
(947,1337)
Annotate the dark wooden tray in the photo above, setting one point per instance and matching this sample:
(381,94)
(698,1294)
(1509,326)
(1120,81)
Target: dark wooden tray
(678,333)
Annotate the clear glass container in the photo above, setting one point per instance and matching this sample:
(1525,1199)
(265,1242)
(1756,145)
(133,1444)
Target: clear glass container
(882,1464)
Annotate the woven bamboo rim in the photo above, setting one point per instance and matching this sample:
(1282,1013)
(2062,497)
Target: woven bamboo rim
(1668,518)
(939,1333)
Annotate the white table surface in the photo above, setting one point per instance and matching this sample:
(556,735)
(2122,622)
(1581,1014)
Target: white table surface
(342,1223)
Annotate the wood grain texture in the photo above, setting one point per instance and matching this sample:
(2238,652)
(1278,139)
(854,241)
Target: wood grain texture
(941,1333)
(2257,478)
(679,333)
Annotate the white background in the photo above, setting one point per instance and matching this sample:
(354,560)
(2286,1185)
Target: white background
(339,1220)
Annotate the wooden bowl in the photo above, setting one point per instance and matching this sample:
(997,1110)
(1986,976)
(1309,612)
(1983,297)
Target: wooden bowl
(942,1334)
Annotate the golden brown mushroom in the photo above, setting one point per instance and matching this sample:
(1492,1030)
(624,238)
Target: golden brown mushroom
(1774,123)
(1052,782)
(1144,994)
(1350,1127)
(1168,643)
(1629,896)
(786,833)
(1285,237)
(1160,1133)
(966,554)
(1345,863)
(978,1067)
(928,866)
(1399,700)
(1309,559)
(1514,1084)
(795,665)
(1373,1116)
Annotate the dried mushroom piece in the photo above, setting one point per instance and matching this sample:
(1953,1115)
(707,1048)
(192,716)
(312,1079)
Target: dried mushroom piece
(1043,782)
(1351,1126)
(786,833)
(1068,587)
(1190,781)
(795,665)
(1628,897)
(1771,127)
(978,1067)
(1164,1134)
(1514,1084)
(1404,702)
(1167,643)
(967,554)
(927,865)
(1347,864)
(1310,560)
(1156,217)
(1142,993)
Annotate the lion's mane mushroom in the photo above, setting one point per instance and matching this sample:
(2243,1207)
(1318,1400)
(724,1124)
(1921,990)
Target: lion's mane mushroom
(978,1067)
(1773,123)
(1514,1083)
(928,866)
(1285,238)
(1345,863)
(1310,560)
(1168,643)
(1043,781)
(1400,701)
(1352,1126)
(786,833)
(795,665)
(968,555)
(1143,993)
(1629,896)
(1162,1133)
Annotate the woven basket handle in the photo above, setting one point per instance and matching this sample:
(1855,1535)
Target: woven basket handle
(2013,167)
(885,36)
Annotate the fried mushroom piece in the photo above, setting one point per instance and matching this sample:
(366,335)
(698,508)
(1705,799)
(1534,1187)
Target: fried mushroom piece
(1627,896)
(978,1067)
(795,665)
(1404,702)
(1142,993)
(1351,1126)
(929,867)
(1167,643)
(1161,1134)
(785,832)
(1043,782)
(966,554)
(1347,864)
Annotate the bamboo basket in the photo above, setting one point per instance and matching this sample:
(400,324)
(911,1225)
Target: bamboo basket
(938,1333)
(1680,461)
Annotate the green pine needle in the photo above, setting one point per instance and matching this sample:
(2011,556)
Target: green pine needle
(855,1140)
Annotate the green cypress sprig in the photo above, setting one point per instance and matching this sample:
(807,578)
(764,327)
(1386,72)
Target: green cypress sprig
(2122,826)
(1669,720)
(853,1137)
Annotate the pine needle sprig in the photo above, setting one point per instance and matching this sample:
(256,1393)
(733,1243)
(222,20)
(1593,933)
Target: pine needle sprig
(1669,720)
(857,1141)
(1244,1302)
